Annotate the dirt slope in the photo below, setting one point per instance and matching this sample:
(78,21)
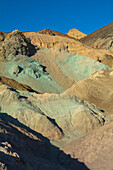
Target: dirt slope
(94,149)
(102,38)
(97,89)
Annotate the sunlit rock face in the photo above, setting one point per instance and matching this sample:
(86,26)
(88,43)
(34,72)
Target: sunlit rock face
(76,33)
(96,89)
(102,38)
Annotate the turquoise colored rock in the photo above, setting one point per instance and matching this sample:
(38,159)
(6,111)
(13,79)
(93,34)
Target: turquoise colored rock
(81,67)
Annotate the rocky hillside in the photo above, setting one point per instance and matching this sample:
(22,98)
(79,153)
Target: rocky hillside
(95,149)
(23,148)
(56,95)
(96,89)
(101,39)
(58,42)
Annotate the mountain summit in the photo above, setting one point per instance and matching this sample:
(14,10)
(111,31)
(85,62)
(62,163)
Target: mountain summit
(76,33)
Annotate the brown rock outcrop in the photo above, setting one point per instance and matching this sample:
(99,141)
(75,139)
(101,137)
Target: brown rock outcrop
(53,33)
(14,84)
(102,38)
(46,39)
(71,45)
(16,43)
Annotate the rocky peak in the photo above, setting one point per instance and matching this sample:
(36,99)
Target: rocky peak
(76,33)
(16,43)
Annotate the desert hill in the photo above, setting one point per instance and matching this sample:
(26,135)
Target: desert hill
(62,43)
(76,33)
(23,148)
(56,95)
(101,39)
(53,33)
(96,89)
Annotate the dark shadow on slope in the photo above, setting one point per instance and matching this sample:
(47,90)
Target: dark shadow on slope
(15,121)
(37,149)
(54,122)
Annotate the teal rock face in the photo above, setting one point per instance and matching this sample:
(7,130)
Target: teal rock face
(58,113)
(28,71)
(80,67)
(14,69)
(74,67)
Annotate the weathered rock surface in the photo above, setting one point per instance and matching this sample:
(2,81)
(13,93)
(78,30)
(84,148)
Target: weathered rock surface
(94,149)
(16,43)
(49,70)
(71,114)
(97,89)
(77,100)
(2,37)
(23,148)
(76,33)
(102,38)
(15,85)
(19,148)
(53,33)
(54,116)
(59,41)
(24,110)
(71,45)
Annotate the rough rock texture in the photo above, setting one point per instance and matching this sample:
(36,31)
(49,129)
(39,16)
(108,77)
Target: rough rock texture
(102,38)
(71,45)
(50,114)
(94,149)
(76,33)
(45,40)
(2,37)
(23,148)
(85,120)
(75,67)
(97,89)
(49,70)
(24,110)
(16,43)
(77,100)
(18,147)
(52,33)
(71,114)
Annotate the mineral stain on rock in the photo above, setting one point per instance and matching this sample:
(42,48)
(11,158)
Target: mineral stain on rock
(56,96)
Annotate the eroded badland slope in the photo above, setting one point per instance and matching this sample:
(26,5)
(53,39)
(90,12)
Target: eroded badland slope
(56,93)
